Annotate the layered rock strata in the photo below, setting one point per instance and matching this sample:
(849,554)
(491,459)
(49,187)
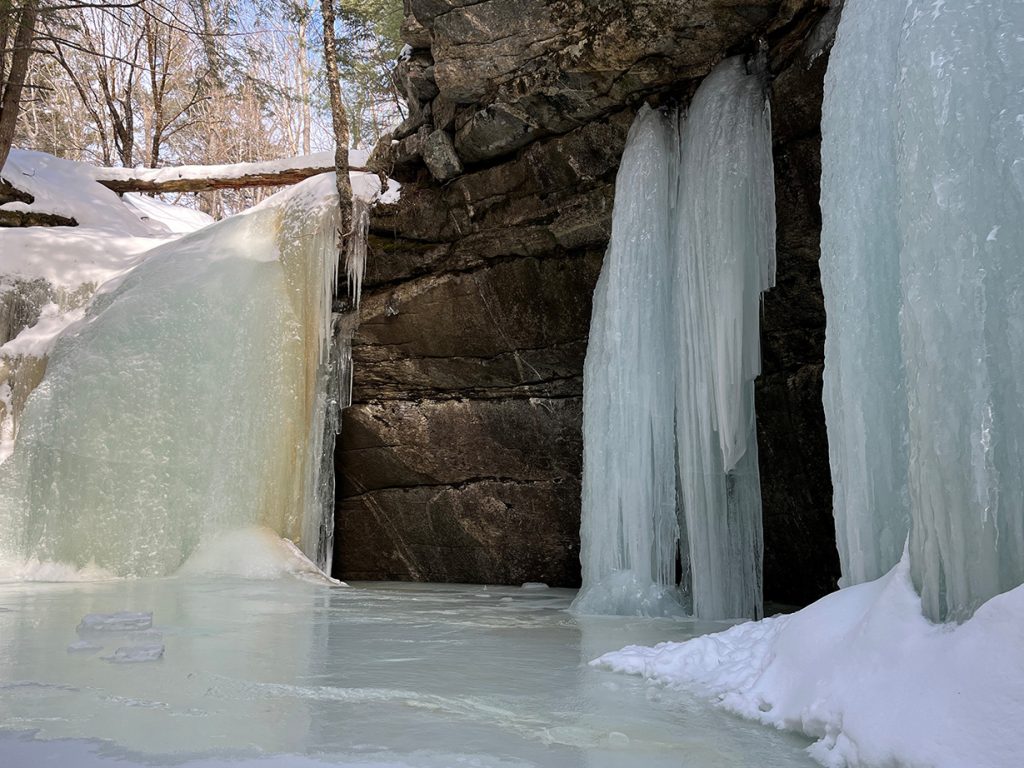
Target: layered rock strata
(460,459)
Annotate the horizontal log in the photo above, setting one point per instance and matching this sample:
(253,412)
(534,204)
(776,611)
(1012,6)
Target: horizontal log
(206,178)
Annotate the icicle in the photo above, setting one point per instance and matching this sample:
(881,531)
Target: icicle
(674,351)
(355,254)
(333,394)
(864,394)
(921,258)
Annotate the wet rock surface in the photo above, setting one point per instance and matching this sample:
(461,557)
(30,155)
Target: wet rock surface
(460,459)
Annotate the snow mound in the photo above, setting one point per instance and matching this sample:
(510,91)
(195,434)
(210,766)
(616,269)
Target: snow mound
(867,675)
(176,219)
(68,188)
(50,571)
(251,553)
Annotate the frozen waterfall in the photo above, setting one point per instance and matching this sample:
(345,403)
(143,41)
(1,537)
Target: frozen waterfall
(194,398)
(629,530)
(923,207)
(670,449)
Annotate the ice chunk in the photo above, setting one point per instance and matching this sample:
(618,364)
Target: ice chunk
(123,621)
(135,654)
(84,646)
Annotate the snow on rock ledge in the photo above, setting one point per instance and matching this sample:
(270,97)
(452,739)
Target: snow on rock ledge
(864,673)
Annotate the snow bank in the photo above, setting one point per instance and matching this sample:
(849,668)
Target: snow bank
(68,188)
(177,219)
(864,673)
(111,235)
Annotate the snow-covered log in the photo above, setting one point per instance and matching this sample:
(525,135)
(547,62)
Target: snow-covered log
(205,178)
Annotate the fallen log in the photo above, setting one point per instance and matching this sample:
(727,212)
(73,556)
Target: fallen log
(206,178)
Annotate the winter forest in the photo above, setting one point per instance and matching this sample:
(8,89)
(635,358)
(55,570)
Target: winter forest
(167,84)
(512,383)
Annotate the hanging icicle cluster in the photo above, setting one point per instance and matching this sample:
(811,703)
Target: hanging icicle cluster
(670,449)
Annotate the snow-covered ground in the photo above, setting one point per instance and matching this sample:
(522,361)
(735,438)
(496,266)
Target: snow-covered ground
(111,233)
(867,675)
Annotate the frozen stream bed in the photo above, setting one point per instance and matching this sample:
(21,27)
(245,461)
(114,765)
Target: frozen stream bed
(288,673)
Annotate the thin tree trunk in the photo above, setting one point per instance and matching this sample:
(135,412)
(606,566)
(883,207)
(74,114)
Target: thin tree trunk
(304,89)
(339,121)
(10,102)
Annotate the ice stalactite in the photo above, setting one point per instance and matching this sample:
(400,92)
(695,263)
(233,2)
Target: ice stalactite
(189,401)
(670,450)
(725,259)
(921,262)
(629,530)
(864,391)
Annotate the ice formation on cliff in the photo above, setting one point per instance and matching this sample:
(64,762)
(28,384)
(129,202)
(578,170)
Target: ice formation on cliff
(194,397)
(670,451)
(923,209)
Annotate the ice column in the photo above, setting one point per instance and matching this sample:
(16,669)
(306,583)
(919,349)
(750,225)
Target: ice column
(670,449)
(945,160)
(629,531)
(864,391)
(189,402)
(725,259)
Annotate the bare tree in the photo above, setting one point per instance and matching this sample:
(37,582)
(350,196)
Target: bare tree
(17,32)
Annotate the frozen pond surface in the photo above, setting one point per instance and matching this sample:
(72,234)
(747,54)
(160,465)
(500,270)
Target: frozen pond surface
(287,673)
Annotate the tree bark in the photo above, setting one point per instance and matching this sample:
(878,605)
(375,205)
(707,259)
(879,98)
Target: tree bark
(10,102)
(339,121)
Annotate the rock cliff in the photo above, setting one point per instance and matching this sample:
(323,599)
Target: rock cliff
(460,459)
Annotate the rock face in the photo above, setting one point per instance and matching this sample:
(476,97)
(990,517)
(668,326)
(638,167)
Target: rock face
(460,459)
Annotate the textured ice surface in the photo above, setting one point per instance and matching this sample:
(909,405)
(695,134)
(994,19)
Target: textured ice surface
(84,646)
(190,401)
(288,673)
(670,450)
(923,209)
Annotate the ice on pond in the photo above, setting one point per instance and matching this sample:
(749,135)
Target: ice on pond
(289,672)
